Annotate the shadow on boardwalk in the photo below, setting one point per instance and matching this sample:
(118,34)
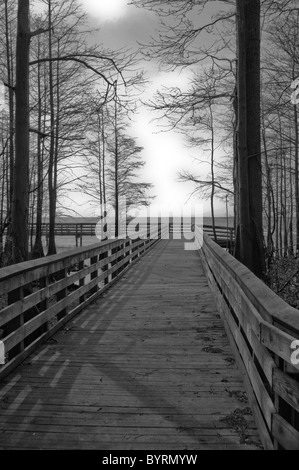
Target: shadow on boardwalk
(146,366)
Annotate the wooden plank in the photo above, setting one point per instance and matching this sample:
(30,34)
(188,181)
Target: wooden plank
(258,386)
(10,366)
(14,276)
(147,364)
(278,342)
(263,356)
(247,315)
(287,388)
(249,318)
(270,306)
(21,333)
(259,399)
(15,309)
(285,434)
(27,328)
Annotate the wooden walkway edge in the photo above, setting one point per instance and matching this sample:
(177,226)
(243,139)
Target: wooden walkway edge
(146,366)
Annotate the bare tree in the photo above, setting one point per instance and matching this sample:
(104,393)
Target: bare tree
(21,171)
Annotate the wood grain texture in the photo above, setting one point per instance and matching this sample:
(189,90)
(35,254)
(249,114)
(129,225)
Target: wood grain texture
(263,340)
(148,365)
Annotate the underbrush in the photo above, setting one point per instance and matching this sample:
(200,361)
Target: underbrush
(283,279)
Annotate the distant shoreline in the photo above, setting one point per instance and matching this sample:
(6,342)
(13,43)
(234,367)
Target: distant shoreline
(222,221)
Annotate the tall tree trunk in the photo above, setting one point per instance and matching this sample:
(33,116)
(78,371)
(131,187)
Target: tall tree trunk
(116,195)
(243,250)
(236,162)
(38,250)
(291,236)
(21,169)
(250,251)
(277,206)
(104,159)
(212,174)
(100,180)
(57,128)
(270,247)
(9,65)
(296,124)
(11,100)
(51,176)
(284,205)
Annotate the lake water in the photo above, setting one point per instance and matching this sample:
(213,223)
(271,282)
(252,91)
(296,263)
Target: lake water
(69,242)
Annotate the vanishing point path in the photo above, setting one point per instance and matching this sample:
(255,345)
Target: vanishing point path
(147,366)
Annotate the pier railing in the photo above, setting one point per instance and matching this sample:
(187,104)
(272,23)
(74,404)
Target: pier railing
(264,332)
(223,235)
(38,297)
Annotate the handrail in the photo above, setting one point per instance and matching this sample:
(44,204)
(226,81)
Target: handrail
(38,297)
(63,227)
(262,328)
(225,235)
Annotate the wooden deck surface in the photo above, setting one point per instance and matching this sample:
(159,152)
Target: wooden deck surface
(147,366)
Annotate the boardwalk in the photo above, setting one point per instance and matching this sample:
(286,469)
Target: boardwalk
(146,366)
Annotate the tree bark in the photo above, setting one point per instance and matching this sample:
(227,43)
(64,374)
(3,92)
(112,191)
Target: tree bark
(250,237)
(296,124)
(9,64)
(38,251)
(104,160)
(51,175)
(11,103)
(116,192)
(20,201)
(243,245)
(212,173)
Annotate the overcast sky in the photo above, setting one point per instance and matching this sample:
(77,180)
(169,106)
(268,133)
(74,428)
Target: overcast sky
(123,25)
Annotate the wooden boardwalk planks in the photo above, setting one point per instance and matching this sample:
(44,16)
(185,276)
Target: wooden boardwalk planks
(147,366)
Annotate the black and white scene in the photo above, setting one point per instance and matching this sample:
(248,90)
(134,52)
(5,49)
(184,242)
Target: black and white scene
(149,221)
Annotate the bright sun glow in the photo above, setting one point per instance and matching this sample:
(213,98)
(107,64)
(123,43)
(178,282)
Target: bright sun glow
(106,10)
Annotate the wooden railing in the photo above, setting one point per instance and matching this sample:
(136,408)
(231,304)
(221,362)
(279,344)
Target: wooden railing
(38,297)
(225,236)
(67,228)
(78,230)
(262,329)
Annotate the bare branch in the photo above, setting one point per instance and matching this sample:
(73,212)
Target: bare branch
(38,31)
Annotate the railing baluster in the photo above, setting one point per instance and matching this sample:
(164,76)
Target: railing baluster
(62,274)
(82,281)
(94,274)
(36,287)
(261,326)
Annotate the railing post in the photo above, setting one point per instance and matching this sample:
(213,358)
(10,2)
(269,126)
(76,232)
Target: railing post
(44,282)
(277,401)
(14,296)
(94,274)
(82,281)
(61,294)
(109,266)
(122,257)
(103,256)
(129,244)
